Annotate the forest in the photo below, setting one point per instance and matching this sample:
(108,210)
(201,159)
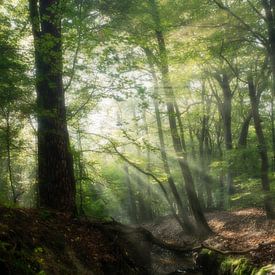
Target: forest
(137,137)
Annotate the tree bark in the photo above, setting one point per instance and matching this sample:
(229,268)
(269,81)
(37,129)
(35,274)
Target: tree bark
(262,149)
(55,164)
(225,106)
(8,146)
(186,224)
(150,214)
(270,17)
(183,212)
(132,199)
(242,142)
(204,148)
(170,98)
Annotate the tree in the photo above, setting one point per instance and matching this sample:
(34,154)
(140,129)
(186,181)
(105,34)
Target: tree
(254,99)
(13,109)
(177,143)
(257,18)
(55,164)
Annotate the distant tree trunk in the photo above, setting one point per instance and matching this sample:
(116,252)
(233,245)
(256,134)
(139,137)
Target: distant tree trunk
(225,107)
(144,206)
(202,164)
(131,196)
(219,154)
(183,212)
(204,158)
(262,149)
(55,164)
(182,138)
(169,93)
(193,153)
(8,147)
(242,142)
(204,149)
(150,214)
(81,173)
(186,224)
(218,131)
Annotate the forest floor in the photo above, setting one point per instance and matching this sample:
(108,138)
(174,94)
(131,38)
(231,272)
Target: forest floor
(44,242)
(246,231)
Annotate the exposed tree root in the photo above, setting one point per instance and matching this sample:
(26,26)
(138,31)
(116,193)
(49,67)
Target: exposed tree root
(145,235)
(236,252)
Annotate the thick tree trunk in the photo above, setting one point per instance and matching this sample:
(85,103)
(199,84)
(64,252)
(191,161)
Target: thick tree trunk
(262,149)
(272,60)
(55,164)
(270,17)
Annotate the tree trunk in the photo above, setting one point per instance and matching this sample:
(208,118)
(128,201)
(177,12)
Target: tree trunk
(183,212)
(144,205)
(150,214)
(226,112)
(182,138)
(262,149)
(186,224)
(270,16)
(131,196)
(81,173)
(170,98)
(242,142)
(8,145)
(204,149)
(55,164)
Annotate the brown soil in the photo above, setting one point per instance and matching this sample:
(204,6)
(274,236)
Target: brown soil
(33,241)
(233,231)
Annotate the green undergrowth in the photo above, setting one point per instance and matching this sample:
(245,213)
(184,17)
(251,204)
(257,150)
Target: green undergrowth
(21,259)
(248,192)
(217,264)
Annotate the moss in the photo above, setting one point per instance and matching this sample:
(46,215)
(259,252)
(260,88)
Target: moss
(17,261)
(209,261)
(216,264)
(264,270)
(238,266)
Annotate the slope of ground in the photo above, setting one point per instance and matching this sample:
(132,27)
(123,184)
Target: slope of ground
(43,242)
